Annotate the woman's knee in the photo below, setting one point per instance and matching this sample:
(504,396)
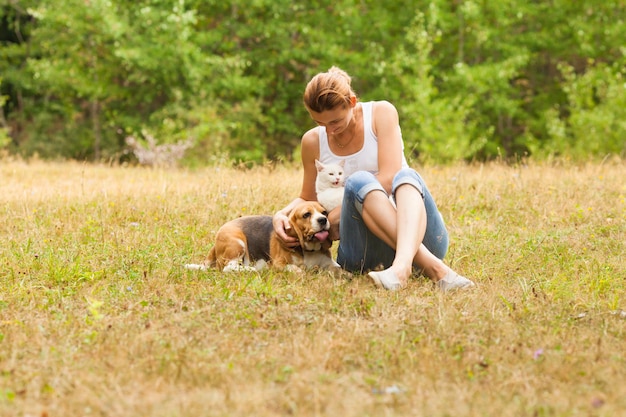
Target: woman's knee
(359,184)
(358,180)
(408,176)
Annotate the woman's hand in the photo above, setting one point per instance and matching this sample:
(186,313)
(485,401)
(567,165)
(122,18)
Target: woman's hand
(333,219)
(281,224)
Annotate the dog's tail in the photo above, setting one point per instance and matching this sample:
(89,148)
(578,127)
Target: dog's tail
(212,259)
(204,266)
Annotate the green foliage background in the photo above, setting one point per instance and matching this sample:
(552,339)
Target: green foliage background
(471,79)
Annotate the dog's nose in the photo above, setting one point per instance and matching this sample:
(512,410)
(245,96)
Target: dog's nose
(322,221)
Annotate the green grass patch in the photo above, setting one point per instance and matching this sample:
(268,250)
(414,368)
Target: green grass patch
(99,317)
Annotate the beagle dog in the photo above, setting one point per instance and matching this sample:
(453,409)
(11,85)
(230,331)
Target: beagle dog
(250,242)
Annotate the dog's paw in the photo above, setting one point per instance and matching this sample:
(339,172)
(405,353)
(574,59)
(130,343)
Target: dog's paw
(260,265)
(235,266)
(294,269)
(196,267)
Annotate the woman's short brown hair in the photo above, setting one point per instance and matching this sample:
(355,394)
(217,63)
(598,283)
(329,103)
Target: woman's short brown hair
(328,90)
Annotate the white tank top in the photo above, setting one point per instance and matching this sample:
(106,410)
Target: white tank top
(365,159)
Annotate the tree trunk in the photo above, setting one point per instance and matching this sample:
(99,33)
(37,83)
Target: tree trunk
(97,131)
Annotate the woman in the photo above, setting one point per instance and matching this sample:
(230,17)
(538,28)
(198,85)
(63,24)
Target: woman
(388,220)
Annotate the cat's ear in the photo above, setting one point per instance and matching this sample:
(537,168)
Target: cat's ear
(342,163)
(319,165)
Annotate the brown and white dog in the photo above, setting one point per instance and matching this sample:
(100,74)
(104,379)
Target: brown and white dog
(249,242)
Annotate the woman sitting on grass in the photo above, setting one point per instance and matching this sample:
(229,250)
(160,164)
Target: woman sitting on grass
(388,222)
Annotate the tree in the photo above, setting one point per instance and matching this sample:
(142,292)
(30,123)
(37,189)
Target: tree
(472,79)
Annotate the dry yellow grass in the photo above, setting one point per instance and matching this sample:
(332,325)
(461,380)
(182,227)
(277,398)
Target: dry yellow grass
(98,316)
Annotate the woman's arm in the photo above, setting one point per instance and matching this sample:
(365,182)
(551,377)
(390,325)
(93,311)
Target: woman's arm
(334,218)
(309,153)
(386,127)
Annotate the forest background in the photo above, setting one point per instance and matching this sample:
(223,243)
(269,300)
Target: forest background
(472,80)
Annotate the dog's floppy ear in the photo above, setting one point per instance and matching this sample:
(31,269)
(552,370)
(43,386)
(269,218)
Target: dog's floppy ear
(295,230)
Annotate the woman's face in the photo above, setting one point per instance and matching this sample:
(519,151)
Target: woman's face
(335,121)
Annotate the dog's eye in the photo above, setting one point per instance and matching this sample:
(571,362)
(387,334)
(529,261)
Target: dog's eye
(306,215)
(325,213)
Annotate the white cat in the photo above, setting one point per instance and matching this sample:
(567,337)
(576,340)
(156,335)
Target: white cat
(329,184)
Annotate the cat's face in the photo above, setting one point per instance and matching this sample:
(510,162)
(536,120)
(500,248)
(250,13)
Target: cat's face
(329,175)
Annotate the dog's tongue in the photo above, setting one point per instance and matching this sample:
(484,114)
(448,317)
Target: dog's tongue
(322,236)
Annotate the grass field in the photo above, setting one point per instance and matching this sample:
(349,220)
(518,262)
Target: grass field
(98,317)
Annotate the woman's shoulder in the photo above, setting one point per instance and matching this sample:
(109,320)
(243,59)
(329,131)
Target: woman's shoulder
(383,106)
(311,140)
(383,112)
(311,137)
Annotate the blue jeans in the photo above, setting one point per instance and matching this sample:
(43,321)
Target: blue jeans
(359,249)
